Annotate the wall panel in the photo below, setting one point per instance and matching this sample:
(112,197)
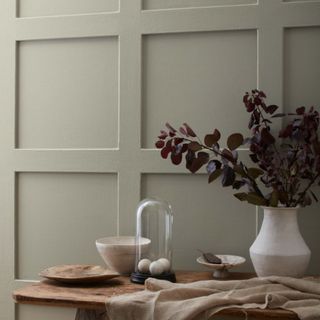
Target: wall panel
(309,225)
(27,312)
(206,217)
(186,78)
(68,93)
(301,79)
(301,67)
(59,217)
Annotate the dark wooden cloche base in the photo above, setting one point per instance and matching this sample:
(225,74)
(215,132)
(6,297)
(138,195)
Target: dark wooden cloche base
(138,277)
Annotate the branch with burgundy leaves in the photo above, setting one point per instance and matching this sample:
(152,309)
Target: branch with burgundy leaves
(282,166)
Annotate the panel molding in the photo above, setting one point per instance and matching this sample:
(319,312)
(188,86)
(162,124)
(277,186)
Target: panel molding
(41,8)
(60,27)
(178,4)
(200,19)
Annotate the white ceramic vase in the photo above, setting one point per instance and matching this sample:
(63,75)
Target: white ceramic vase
(279,248)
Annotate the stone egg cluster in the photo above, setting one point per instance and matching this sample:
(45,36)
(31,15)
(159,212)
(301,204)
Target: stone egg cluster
(155,267)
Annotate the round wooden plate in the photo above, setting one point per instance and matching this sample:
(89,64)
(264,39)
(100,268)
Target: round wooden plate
(78,273)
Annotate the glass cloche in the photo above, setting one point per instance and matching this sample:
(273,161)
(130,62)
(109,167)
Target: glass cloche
(153,241)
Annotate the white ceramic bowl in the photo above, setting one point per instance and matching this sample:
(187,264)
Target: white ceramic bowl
(119,253)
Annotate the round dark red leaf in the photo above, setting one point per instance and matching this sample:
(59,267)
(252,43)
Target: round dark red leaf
(176,158)
(165,152)
(160,144)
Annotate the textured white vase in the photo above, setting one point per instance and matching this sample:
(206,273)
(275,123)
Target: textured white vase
(279,248)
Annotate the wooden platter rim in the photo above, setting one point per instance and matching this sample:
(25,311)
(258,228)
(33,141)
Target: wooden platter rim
(82,275)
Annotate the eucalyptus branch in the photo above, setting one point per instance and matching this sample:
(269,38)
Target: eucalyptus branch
(281,167)
(303,193)
(245,171)
(254,182)
(267,127)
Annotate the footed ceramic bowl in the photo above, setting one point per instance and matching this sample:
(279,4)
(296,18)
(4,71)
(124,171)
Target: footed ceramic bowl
(221,269)
(119,253)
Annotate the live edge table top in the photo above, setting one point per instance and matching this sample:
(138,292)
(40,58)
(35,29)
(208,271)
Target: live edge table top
(93,296)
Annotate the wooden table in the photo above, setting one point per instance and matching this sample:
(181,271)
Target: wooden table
(90,300)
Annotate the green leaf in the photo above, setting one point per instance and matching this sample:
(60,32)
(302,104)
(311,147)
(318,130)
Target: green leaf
(242,196)
(255,172)
(234,141)
(214,175)
(255,199)
(194,146)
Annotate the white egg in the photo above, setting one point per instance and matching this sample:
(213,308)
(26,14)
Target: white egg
(165,263)
(156,268)
(143,265)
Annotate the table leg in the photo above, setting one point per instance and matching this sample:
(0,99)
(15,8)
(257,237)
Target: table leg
(87,314)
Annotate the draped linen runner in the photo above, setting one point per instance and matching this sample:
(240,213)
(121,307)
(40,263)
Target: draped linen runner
(163,300)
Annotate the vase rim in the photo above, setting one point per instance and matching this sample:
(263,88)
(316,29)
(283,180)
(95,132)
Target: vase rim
(280,208)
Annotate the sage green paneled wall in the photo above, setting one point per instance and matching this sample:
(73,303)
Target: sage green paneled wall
(85,88)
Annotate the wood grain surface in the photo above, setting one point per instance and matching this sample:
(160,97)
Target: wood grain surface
(94,296)
(78,273)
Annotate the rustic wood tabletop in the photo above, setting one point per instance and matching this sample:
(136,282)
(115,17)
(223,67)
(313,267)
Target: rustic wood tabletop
(93,297)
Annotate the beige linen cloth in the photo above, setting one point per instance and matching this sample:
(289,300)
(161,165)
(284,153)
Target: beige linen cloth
(163,300)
